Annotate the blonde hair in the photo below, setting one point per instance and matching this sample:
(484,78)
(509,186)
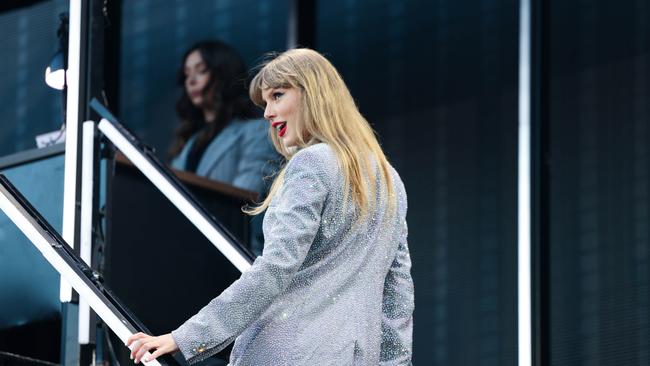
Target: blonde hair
(327,114)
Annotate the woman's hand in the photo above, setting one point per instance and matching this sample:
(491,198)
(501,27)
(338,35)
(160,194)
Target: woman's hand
(140,343)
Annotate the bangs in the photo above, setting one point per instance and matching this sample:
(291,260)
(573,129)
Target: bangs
(269,77)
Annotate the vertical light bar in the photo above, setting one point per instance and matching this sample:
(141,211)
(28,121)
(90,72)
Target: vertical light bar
(86,224)
(71,134)
(524,292)
(43,244)
(292,25)
(172,194)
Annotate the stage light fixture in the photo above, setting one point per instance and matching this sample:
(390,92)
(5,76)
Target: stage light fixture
(55,72)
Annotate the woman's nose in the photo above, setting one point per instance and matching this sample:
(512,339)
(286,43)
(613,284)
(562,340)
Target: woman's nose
(190,78)
(268,113)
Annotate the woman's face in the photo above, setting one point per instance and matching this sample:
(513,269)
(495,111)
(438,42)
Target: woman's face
(283,113)
(197,77)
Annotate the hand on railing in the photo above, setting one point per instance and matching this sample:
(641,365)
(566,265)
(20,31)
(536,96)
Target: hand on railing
(141,343)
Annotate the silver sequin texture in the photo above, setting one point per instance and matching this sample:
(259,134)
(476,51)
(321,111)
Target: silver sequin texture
(327,289)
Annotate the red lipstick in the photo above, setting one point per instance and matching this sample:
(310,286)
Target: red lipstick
(280,126)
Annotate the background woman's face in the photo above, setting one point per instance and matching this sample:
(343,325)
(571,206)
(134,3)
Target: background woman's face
(283,113)
(197,77)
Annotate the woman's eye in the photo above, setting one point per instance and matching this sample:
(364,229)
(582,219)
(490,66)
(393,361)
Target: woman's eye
(277,95)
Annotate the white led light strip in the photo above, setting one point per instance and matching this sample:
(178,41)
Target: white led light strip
(42,243)
(86,221)
(71,134)
(524,275)
(180,201)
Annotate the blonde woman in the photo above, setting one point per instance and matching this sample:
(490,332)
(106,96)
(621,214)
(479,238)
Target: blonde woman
(333,284)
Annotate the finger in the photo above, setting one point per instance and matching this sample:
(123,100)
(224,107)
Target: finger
(134,338)
(159,352)
(138,355)
(135,347)
(145,347)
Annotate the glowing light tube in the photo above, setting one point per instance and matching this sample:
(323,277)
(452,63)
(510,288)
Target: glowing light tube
(199,219)
(524,276)
(71,134)
(86,224)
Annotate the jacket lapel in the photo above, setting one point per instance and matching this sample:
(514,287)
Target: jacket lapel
(219,146)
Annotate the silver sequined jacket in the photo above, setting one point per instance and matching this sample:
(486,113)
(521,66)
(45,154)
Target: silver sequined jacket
(327,289)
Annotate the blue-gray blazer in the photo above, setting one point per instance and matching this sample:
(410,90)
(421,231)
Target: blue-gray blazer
(327,290)
(241,155)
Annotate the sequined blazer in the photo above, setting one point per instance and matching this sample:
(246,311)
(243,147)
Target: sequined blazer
(327,289)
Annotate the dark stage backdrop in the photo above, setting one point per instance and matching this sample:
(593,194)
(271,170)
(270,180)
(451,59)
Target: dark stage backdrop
(600,208)
(438,81)
(28,107)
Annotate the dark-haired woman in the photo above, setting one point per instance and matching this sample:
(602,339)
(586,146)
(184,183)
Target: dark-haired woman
(220,136)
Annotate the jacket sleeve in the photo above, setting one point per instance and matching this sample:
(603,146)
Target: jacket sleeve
(397,308)
(256,160)
(291,224)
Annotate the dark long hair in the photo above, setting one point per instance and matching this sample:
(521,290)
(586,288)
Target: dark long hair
(229,96)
